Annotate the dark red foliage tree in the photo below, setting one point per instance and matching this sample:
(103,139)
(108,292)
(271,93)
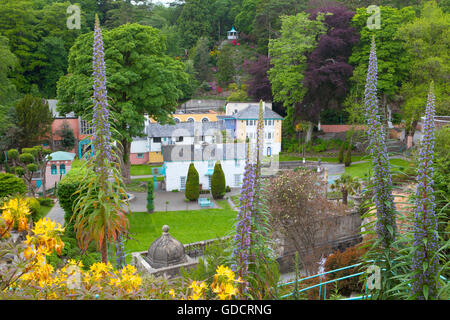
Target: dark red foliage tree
(328,70)
(258,86)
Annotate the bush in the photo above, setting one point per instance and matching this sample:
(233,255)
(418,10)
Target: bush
(35,208)
(150,197)
(341,153)
(348,156)
(11,185)
(191,191)
(228,189)
(65,193)
(218,182)
(351,255)
(46,202)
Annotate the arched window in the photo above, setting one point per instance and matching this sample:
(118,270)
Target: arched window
(190,120)
(176,120)
(205,120)
(62,168)
(54,170)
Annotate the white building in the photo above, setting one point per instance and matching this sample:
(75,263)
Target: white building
(177,159)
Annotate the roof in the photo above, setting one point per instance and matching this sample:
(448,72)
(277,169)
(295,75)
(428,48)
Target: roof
(184,129)
(62,156)
(52,106)
(232,30)
(207,152)
(252,112)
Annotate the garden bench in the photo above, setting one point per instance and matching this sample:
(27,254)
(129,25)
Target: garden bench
(205,202)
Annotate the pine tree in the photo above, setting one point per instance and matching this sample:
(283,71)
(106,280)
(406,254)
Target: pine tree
(348,156)
(150,197)
(341,152)
(192,189)
(218,182)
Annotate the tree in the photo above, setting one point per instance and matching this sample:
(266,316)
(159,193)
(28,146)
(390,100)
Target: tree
(218,183)
(11,185)
(192,189)
(28,162)
(391,72)
(200,58)
(301,212)
(68,139)
(150,197)
(34,119)
(258,85)
(328,70)
(244,19)
(289,53)
(225,65)
(426,39)
(142,79)
(348,185)
(8,62)
(195,21)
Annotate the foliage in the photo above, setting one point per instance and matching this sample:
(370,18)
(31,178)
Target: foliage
(218,182)
(141,79)
(426,40)
(150,197)
(258,85)
(11,185)
(192,189)
(328,70)
(237,93)
(34,119)
(299,209)
(35,208)
(68,139)
(348,156)
(8,61)
(348,185)
(195,21)
(348,257)
(200,56)
(225,65)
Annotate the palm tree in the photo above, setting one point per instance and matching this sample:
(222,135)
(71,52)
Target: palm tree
(348,185)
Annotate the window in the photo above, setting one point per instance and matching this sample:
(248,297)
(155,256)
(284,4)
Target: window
(182,183)
(54,170)
(237,180)
(210,164)
(179,139)
(62,168)
(85,127)
(205,120)
(236,163)
(209,182)
(139,155)
(190,120)
(269,151)
(157,139)
(202,138)
(246,122)
(176,120)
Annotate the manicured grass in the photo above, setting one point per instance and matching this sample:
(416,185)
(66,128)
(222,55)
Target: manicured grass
(360,169)
(141,169)
(45,210)
(185,226)
(287,157)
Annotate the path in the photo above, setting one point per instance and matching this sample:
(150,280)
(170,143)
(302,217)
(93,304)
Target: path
(56,214)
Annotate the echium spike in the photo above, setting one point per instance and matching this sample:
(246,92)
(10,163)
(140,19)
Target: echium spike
(384,202)
(425,259)
(100,121)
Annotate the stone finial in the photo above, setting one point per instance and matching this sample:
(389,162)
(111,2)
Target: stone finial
(165,228)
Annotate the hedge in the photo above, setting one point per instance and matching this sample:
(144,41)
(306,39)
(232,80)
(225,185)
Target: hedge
(191,191)
(11,184)
(218,182)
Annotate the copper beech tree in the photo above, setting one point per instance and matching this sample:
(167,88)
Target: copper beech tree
(301,212)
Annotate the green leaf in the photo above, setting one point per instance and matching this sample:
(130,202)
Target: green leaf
(425,292)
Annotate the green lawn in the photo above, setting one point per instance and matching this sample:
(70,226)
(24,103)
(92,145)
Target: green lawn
(186,226)
(360,169)
(287,157)
(141,169)
(45,210)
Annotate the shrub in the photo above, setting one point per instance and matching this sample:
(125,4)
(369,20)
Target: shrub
(46,202)
(228,189)
(191,191)
(35,208)
(10,185)
(218,182)
(150,197)
(341,153)
(65,193)
(351,255)
(348,156)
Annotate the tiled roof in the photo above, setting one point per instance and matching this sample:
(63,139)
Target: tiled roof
(252,112)
(184,129)
(228,151)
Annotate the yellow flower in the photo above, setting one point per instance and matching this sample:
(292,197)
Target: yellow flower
(172,293)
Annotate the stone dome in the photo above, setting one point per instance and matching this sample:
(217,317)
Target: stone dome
(165,251)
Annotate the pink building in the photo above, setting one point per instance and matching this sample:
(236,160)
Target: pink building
(57,167)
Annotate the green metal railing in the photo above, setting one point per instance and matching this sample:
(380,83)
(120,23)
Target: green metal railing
(324,284)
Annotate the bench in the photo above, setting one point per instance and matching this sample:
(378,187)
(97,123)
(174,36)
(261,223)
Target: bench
(205,202)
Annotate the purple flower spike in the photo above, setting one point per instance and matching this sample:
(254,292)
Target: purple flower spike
(386,226)
(425,260)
